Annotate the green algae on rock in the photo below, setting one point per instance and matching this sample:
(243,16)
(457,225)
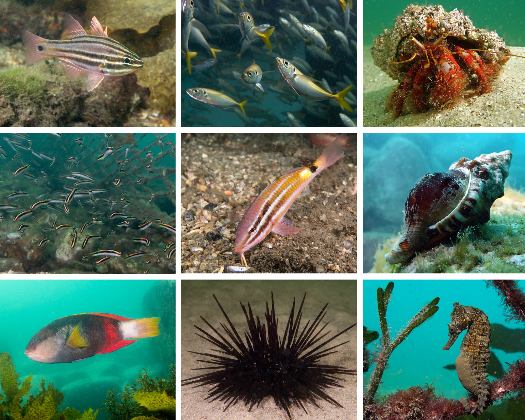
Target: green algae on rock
(495,247)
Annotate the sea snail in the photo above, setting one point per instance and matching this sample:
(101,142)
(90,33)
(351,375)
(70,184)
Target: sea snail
(442,203)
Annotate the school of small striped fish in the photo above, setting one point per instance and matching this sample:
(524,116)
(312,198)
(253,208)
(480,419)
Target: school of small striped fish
(255,64)
(82,203)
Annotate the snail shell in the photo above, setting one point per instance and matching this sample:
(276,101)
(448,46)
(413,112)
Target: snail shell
(442,203)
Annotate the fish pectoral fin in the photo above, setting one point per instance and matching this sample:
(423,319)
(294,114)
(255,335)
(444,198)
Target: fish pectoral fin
(76,340)
(72,71)
(119,345)
(93,80)
(284,227)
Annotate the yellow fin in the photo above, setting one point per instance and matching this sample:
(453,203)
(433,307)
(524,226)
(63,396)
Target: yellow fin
(147,327)
(340,98)
(242,106)
(213,51)
(76,340)
(189,56)
(266,37)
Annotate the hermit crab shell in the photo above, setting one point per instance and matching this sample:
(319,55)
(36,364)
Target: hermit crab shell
(428,23)
(442,203)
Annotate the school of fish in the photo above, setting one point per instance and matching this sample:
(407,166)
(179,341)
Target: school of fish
(251,64)
(87,203)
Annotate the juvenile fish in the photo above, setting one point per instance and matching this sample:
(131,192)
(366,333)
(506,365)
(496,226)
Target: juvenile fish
(215,98)
(96,55)
(266,213)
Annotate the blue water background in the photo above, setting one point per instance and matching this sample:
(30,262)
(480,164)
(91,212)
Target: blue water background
(505,17)
(29,305)
(420,360)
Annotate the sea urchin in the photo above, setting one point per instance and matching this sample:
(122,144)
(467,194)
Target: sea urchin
(286,368)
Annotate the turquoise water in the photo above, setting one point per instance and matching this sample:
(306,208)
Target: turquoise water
(338,66)
(114,194)
(506,18)
(29,305)
(420,360)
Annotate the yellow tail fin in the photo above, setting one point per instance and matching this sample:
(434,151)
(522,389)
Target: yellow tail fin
(340,98)
(242,106)
(147,327)
(213,51)
(189,56)
(266,37)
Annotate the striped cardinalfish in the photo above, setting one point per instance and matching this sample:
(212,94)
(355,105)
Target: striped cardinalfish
(96,55)
(266,213)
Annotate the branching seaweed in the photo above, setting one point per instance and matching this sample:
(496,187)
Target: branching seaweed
(388,346)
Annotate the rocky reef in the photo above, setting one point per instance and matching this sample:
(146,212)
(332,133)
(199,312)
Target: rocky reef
(495,247)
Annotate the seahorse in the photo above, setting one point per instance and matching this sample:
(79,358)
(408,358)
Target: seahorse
(474,354)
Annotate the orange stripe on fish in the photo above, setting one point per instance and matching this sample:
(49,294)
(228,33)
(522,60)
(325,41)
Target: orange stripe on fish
(266,213)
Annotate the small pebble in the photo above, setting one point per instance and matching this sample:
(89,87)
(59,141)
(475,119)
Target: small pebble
(238,269)
(196,249)
(201,187)
(189,215)
(210,206)
(213,236)
(322,217)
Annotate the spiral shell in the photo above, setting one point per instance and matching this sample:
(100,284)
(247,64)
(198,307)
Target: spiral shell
(442,203)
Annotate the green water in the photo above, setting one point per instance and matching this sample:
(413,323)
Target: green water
(506,18)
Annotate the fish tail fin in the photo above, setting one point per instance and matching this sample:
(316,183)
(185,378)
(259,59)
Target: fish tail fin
(266,37)
(189,56)
(213,51)
(340,98)
(140,328)
(331,154)
(33,43)
(242,106)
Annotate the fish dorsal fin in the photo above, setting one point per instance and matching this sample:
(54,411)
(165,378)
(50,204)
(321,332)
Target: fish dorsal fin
(117,317)
(96,28)
(119,345)
(72,71)
(72,28)
(76,340)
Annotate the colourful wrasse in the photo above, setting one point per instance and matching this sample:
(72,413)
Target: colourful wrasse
(266,213)
(97,55)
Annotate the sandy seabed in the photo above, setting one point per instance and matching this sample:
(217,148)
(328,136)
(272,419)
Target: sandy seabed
(197,298)
(504,106)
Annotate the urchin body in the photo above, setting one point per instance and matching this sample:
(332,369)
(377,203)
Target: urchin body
(287,368)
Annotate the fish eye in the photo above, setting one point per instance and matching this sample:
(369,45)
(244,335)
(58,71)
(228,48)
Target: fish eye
(127,61)
(248,18)
(252,229)
(250,74)
(37,340)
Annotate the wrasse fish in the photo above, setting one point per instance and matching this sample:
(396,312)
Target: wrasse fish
(96,55)
(23,168)
(306,87)
(266,213)
(215,98)
(78,337)
(167,227)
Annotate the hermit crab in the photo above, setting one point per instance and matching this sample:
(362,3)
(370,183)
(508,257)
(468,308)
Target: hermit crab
(437,57)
